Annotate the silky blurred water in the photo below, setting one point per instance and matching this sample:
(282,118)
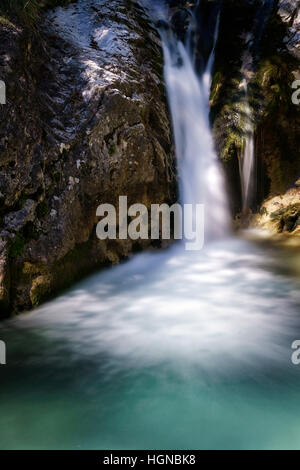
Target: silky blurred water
(169,350)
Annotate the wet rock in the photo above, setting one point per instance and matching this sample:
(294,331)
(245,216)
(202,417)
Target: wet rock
(280,215)
(15,221)
(163,25)
(289,11)
(4,279)
(180,22)
(86,120)
(264,54)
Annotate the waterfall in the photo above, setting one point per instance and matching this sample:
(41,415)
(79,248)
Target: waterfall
(200,174)
(247,162)
(170,349)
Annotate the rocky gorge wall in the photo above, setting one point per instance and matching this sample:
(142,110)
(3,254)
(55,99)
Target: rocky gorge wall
(86,120)
(264,51)
(258,47)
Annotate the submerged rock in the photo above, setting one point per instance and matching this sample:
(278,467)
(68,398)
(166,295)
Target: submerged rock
(86,120)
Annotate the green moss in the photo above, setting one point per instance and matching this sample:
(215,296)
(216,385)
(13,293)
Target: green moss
(30,269)
(40,290)
(42,209)
(287,217)
(263,211)
(57,177)
(21,201)
(217,83)
(17,246)
(275,118)
(5,21)
(26,10)
(274,78)
(112,149)
(30,232)
(233,146)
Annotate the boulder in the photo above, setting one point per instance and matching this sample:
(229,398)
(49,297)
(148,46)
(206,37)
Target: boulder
(86,121)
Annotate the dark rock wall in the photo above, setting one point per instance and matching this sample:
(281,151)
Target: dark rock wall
(267,54)
(86,121)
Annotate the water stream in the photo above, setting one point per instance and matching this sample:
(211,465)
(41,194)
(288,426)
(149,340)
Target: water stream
(247,162)
(166,351)
(201,179)
(172,349)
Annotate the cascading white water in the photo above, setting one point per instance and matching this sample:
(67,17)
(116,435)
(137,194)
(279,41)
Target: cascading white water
(168,350)
(247,162)
(201,179)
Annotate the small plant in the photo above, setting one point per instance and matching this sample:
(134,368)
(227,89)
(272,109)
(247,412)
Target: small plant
(28,10)
(23,8)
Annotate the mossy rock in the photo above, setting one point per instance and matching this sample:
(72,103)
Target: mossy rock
(287,218)
(42,209)
(17,246)
(30,269)
(40,290)
(27,10)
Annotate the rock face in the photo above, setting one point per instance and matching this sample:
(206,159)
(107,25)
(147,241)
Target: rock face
(280,216)
(86,121)
(278,133)
(289,11)
(266,55)
(278,139)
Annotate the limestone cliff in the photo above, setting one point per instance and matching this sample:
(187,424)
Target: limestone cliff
(86,120)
